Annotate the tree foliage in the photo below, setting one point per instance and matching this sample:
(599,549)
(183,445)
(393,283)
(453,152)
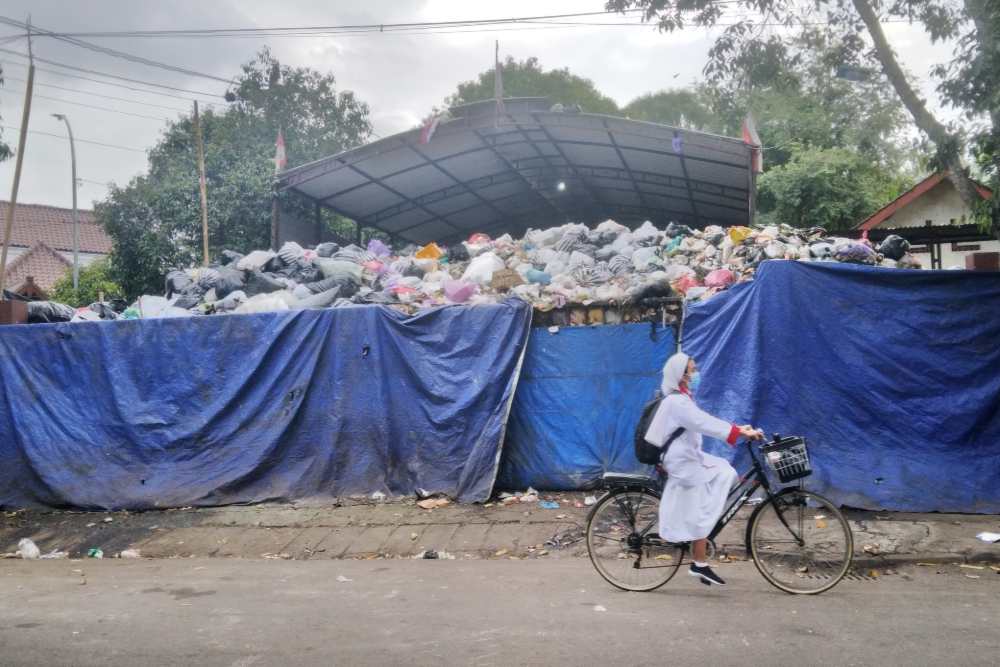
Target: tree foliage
(681,108)
(155,220)
(94,281)
(527,78)
(761,34)
(833,188)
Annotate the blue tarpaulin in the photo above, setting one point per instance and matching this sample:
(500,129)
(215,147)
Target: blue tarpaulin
(580,395)
(277,406)
(893,377)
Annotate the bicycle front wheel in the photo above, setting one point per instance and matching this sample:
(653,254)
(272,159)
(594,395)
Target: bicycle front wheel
(624,544)
(800,542)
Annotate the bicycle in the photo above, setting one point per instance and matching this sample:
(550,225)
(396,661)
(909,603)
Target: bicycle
(799,541)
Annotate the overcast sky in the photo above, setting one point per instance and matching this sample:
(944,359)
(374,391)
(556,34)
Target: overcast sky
(400,76)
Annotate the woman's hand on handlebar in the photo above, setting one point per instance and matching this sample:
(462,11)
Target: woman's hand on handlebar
(750,433)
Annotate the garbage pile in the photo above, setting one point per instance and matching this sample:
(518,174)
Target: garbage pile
(549,268)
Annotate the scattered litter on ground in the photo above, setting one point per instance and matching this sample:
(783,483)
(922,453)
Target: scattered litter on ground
(972,576)
(94,552)
(989,537)
(55,554)
(589,500)
(281,556)
(413,536)
(971,567)
(378,497)
(548,505)
(433,503)
(565,538)
(598,607)
(872,549)
(91,524)
(27,549)
(108,519)
(342,579)
(130,553)
(501,552)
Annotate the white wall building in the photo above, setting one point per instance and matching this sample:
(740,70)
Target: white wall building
(938,224)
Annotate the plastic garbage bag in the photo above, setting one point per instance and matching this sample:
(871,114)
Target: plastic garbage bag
(227,257)
(894,247)
(27,549)
(739,234)
(645,259)
(378,248)
(48,311)
(262,283)
(321,300)
(674,229)
(342,270)
(255,261)
(229,280)
(177,281)
(854,252)
(822,250)
(327,249)
(720,278)
(578,258)
(459,291)
(290,252)
(231,302)
(264,303)
(481,268)
(155,307)
(537,277)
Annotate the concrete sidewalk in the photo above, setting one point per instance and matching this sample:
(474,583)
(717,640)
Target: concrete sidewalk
(401,529)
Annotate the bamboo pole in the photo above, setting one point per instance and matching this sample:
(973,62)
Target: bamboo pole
(22,140)
(202,185)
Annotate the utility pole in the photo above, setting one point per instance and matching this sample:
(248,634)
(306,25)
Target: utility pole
(22,140)
(76,214)
(201,185)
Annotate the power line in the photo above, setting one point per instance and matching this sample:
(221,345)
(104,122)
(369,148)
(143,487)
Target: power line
(87,92)
(77,139)
(110,52)
(110,76)
(94,106)
(103,83)
(377,27)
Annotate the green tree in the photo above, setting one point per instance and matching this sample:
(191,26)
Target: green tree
(155,221)
(834,188)
(526,78)
(94,281)
(745,45)
(682,108)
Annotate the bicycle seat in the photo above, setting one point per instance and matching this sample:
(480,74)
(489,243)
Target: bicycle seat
(616,480)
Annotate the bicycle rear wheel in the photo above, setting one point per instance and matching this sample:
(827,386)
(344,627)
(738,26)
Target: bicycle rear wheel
(624,543)
(800,542)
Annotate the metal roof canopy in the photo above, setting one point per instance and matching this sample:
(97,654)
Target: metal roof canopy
(483,173)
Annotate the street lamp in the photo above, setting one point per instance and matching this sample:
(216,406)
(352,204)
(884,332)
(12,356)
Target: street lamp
(76,216)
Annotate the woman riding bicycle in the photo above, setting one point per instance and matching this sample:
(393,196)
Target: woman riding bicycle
(697,483)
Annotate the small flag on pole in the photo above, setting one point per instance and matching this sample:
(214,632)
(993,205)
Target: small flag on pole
(280,159)
(429,128)
(751,138)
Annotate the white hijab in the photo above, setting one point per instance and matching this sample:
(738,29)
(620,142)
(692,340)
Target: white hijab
(673,373)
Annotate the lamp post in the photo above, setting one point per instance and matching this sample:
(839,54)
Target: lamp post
(76,215)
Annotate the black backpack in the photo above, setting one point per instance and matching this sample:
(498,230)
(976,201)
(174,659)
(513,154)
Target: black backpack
(645,452)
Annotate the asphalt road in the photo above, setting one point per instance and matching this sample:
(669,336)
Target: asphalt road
(239,613)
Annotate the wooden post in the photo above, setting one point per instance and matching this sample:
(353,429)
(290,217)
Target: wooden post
(318,221)
(22,141)
(275,218)
(201,185)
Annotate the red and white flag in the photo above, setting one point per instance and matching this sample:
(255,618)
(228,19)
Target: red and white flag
(280,159)
(751,137)
(429,128)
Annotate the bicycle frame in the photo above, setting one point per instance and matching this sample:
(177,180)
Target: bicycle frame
(750,481)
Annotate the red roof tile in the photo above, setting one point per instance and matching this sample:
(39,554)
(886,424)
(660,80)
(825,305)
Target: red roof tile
(54,227)
(41,262)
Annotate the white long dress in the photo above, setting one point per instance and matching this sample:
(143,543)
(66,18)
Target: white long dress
(698,483)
